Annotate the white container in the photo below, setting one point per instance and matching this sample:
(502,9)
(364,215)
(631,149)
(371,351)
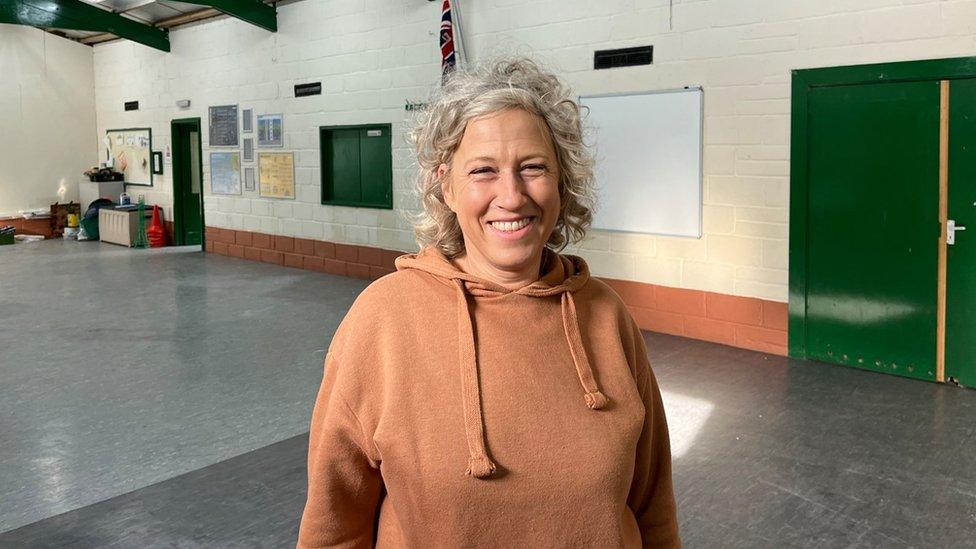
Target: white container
(119,227)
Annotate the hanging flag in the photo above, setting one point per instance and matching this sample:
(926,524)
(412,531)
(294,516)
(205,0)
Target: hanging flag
(448,59)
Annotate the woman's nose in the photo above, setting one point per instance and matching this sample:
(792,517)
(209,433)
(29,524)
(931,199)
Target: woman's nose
(511,191)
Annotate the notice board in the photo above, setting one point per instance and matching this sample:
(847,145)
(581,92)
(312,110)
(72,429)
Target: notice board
(130,149)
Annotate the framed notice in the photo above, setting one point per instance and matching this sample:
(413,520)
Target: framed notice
(249,178)
(225,172)
(247,122)
(276,174)
(248,149)
(130,150)
(223,126)
(270,127)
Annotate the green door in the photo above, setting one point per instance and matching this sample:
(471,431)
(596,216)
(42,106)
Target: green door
(187,182)
(340,165)
(961,258)
(872,226)
(377,164)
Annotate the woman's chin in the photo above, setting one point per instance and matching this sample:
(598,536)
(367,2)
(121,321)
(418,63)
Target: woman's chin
(516,258)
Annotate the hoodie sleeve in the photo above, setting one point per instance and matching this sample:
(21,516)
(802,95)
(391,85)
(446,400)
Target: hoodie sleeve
(651,492)
(344,482)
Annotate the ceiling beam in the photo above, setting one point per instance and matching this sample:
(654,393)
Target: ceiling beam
(167,23)
(77,15)
(255,12)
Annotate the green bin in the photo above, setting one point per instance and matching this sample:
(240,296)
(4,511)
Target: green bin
(90,224)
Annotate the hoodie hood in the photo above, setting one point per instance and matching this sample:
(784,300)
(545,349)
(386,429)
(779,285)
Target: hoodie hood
(561,276)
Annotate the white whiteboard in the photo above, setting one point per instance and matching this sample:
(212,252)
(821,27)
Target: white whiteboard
(648,161)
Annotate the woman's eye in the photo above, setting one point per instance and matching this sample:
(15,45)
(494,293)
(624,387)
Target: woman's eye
(481,170)
(534,167)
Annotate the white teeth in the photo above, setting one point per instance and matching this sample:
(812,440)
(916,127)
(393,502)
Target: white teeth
(509,226)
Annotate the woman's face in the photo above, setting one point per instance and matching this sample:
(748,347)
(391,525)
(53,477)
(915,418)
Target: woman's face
(504,187)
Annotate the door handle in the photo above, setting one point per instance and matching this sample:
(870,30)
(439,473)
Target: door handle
(951,229)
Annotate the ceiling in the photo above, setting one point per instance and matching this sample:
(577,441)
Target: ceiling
(151,12)
(145,21)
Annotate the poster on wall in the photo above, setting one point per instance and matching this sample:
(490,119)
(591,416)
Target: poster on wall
(223,126)
(270,128)
(276,174)
(225,172)
(130,150)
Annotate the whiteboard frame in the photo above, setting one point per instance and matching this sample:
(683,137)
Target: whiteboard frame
(701,149)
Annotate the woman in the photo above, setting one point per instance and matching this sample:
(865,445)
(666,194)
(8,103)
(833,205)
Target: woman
(490,393)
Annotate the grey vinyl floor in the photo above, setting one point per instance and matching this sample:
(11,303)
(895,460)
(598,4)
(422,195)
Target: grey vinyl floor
(161,399)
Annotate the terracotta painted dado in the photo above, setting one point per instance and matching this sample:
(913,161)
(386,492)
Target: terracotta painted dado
(745,322)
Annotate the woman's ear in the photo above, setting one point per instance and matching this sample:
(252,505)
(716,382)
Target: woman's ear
(443,174)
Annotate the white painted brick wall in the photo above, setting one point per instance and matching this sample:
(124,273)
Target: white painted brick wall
(373,55)
(47,112)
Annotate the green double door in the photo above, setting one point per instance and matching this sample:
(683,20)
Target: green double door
(886,284)
(357,165)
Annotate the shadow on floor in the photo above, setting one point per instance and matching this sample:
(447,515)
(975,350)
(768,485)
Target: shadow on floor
(252,500)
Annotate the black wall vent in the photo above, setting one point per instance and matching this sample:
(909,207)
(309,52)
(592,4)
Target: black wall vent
(305,90)
(131,105)
(623,57)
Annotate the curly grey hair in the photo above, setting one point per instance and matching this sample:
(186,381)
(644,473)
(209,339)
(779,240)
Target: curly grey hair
(494,86)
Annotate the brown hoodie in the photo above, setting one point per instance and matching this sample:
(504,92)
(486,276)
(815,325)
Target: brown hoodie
(457,413)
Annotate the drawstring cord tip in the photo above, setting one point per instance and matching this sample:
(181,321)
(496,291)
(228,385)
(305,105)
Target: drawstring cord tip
(480,467)
(595,400)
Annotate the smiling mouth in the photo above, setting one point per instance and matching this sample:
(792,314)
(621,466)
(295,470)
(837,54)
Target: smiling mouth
(512,226)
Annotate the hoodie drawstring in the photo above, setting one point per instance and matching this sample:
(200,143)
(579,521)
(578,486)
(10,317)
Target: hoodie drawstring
(479,464)
(592,396)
